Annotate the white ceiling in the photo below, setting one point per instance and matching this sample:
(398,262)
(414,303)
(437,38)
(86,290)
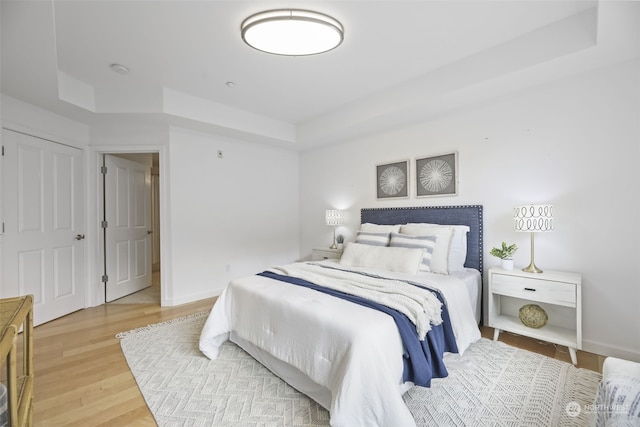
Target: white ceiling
(400,61)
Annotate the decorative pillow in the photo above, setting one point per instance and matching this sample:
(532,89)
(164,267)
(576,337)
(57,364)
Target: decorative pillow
(458,247)
(443,234)
(426,243)
(402,260)
(617,400)
(377,228)
(375,239)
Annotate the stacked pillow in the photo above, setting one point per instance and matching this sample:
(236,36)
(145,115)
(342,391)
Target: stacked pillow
(450,252)
(424,243)
(374,234)
(443,247)
(374,239)
(377,228)
(401,260)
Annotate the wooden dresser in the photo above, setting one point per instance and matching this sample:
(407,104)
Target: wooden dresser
(16,314)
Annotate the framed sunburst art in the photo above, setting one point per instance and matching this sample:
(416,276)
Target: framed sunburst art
(437,175)
(392,180)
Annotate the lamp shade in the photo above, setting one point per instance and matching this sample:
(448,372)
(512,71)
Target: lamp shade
(533,218)
(334,217)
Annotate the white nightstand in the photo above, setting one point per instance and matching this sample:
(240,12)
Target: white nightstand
(558,293)
(318,254)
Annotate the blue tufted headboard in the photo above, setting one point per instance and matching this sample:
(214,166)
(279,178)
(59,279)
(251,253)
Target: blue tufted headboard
(470,215)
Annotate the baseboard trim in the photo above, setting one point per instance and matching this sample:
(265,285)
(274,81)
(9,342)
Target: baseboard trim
(610,351)
(185,299)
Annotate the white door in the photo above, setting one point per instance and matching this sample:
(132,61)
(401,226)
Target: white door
(128,226)
(43,217)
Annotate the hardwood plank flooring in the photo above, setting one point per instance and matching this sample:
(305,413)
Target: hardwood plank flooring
(82,378)
(585,359)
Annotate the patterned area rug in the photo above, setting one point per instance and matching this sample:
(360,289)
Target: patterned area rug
(492,384)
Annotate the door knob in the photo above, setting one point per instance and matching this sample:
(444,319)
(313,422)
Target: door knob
(79,236)
(149,231)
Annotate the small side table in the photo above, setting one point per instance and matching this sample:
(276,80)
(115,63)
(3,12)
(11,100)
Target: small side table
(319,254)
(558,293)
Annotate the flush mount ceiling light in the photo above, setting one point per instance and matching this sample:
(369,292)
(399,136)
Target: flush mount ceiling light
(292,32)
(119,68)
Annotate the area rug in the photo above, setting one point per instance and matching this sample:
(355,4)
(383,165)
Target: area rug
(492,384)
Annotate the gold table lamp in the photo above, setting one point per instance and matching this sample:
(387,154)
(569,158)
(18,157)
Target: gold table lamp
(534,219)
(334,217)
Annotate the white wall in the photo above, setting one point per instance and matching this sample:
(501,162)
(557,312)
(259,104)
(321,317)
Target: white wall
(225,217)
(24,117)
(574,143)
(229,217)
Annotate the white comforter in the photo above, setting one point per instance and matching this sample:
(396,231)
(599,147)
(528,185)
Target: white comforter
(421,306)
(353,351)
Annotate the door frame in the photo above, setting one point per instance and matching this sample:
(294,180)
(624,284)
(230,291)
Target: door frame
(127,187)
(96,292)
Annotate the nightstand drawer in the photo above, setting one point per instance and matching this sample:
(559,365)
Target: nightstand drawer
(535,289)
(322,254)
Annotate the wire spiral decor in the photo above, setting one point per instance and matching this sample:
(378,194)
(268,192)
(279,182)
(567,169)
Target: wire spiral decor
(536,218)
(392,180)
(436,175)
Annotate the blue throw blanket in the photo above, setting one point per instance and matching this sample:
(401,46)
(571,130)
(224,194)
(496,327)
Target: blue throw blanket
(422,359)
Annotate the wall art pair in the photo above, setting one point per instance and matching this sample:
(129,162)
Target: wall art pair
(434,176)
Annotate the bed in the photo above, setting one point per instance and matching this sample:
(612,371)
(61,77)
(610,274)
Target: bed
(326,327)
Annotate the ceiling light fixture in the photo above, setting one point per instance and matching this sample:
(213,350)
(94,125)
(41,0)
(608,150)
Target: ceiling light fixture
(292,32)
(119,68)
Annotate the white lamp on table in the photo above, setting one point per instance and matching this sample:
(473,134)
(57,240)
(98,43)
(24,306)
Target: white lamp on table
(534,219)
(334,217)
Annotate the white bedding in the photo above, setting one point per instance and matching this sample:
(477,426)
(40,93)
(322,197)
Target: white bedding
(420,305)
(352,351)
(473,280)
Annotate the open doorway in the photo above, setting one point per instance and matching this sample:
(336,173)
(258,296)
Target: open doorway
(132,251)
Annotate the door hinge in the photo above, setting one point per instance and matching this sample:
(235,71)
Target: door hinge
(105,278)
(3,150)
(103,170)
(3,228)
(104,224)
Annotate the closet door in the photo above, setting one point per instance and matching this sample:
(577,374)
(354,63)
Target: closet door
(43,219)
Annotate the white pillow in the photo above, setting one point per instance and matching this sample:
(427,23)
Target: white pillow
(458,246)
(377,228)
(402,260)
(443,234)
(375,239)
(426,243)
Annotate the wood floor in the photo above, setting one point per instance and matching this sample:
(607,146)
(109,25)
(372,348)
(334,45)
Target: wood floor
(585,360)
(82,378)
